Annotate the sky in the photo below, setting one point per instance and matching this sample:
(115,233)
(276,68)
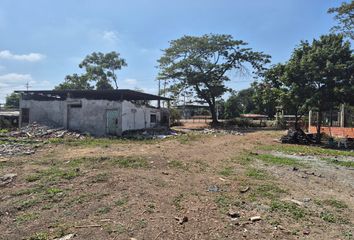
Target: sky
(42,41)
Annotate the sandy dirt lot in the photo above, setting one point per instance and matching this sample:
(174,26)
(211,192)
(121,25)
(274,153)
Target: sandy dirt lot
(182,187)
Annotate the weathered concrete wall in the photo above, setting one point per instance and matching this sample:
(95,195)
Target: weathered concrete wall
(45,112)
(137,117)
(91,117)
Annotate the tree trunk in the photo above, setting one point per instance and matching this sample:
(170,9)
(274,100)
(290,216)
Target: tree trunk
(213,113)
(318,127)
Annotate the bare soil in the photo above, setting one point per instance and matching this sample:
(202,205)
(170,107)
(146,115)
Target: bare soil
(112,189)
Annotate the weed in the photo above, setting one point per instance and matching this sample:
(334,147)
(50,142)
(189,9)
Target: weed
(101,177)
(39,236)
(256,173)
(335,203)
(142,223)
(119,229)
(187,138)
(269,191)
(104,210)
(268,158)
(27,204)
(328,217)
(130,162)
(26,217)
(177,201)
(226,171)
(308,150)
(178,165)
(288,208)
(53,174)
(121,202)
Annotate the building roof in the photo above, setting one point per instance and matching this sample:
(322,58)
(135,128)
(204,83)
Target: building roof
(113,95)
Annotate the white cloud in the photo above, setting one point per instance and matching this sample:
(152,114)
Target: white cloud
(131,81)
(31,57)
(110,36)
(15,78)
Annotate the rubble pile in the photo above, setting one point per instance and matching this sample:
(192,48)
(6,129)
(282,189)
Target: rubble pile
(296,137)
(221,131)
(16,149)
(35,130)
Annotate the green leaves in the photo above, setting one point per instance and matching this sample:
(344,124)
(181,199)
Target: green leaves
(203,64)
(100,68)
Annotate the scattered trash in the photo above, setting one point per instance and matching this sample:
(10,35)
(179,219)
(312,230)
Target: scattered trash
(7,178)
(297,202)
(182,220)
(244,190)
(221,131)
(66,237)
(214,188)
(255,218)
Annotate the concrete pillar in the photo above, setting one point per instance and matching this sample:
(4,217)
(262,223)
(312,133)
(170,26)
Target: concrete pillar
(342,116)
(310,118)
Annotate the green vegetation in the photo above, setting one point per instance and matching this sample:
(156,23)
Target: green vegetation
(53,174)
(257,174)
(226,171)
(268,158)
(101,177)
(39,236)
(177,201)
(288,208)
(187,138)
(104,210)
(26,217)
(308,150)
(269,191)
(121,202)
(348,164)
(178,165)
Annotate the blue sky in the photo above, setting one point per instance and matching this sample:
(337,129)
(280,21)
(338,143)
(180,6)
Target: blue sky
(42,41)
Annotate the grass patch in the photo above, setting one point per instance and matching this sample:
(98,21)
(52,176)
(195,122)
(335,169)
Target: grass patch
(226,171)
(348,164)
(101,177)
(270,159)
(101,142)
(256,174)
(120,161)
(269,191)
(53,174)
(22,205)
(335,203)
(121,202)
(39,236)
(104,210)
(26,217)
(177,165)
(187,138)
(308,150)
(290,209)
(177,200)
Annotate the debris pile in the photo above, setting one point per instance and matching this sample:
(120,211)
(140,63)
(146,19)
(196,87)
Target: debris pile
(11,149)
(221,131)
(154,133)
(35,130)
(296,136)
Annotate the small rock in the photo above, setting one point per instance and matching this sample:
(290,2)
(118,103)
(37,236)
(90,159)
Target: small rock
(7,178)
(244,190)
(306,232)
(297,202)
(214,189)
(233,214)
(307,199)
(255,218)
(182,220)
(66,237)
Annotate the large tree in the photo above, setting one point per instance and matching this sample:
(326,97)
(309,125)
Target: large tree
(203,64)
(12,100)
(328,67)
(240,102)
(344,14)
(99,68)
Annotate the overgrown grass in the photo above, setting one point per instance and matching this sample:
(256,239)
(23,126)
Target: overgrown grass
(178,165)
(226,171)
(288,208)
(101,142)
(257,173)
(26,217)
(348,164)
(266,191)
(308,150)
(118,161)
(187,138)
(270,159)
(53,174)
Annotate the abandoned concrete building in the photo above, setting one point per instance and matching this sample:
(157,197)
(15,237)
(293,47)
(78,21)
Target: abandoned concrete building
(98,112)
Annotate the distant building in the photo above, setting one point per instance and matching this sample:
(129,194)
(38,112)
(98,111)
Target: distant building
(189,111)
(98,112)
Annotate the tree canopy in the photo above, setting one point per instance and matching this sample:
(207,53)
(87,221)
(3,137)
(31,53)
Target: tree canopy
(99,68)
(12,100)
(345,17)
(202,64)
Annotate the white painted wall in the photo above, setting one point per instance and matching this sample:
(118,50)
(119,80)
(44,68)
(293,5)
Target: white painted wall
(137,117)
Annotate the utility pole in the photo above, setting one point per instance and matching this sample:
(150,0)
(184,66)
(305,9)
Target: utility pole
(27,86)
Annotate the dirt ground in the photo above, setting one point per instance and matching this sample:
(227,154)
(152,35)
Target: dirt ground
(182,187)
